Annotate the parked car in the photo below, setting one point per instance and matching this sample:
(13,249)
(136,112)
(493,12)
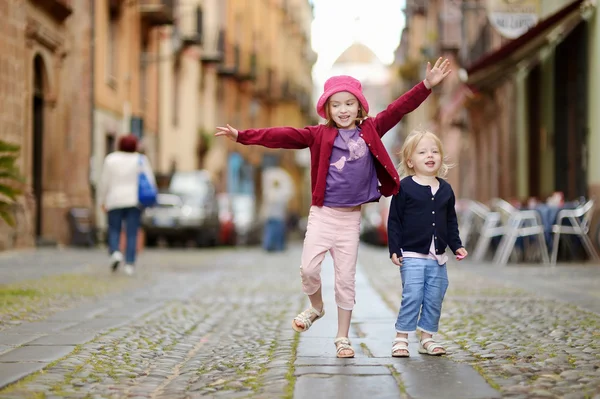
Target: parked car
(188,211)
(162,219)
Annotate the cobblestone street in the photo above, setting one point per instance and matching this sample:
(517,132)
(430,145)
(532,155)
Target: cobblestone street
(216,323)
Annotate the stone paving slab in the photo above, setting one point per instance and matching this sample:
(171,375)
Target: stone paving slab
(11,372)
(40,327)
(347,387)
(78,314)
(64,339)
(44,354)
(14,339)
(342,370)
(97,324)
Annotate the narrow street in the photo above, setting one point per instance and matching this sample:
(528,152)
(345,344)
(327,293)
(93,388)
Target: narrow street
(216,323)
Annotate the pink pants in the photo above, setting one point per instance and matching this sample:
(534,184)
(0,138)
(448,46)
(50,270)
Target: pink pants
(337,232)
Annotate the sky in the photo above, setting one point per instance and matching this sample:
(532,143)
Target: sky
(339,23)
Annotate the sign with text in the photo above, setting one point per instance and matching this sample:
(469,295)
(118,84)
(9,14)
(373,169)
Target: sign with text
(512,18)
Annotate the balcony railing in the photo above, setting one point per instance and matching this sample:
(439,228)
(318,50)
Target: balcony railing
(229,68)
(59,9)
(192,30)
(158,12)
(214,51)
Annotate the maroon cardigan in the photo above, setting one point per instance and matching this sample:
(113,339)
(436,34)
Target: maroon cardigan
(320,141)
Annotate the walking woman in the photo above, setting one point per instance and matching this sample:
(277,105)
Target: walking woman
(118,196)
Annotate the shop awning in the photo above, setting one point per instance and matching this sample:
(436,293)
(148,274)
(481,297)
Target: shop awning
(524,51)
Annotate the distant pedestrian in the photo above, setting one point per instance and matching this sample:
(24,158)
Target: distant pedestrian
(118,196)
(275,202)
(348,161)
(421,223)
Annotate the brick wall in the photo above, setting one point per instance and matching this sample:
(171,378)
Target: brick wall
(12,103)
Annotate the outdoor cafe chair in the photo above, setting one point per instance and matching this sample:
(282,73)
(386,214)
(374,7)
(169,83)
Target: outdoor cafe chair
(579,224)
(471,214)
(491,227)
(519,223)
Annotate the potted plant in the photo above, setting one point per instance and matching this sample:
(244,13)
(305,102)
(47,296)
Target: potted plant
(10,181)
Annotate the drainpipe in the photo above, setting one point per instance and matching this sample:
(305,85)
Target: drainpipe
(92,98)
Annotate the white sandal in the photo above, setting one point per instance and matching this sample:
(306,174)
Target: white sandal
(342,344)
(431,347)
(400,344)
(305,318)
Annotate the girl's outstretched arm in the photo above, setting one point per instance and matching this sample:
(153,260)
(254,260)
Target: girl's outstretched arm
(273,137)
(410,100)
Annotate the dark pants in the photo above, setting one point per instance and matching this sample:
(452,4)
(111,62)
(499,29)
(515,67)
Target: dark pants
(274,235)
(131,218)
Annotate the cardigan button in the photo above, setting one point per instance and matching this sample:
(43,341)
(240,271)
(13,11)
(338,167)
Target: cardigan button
(433,212)
(433,224)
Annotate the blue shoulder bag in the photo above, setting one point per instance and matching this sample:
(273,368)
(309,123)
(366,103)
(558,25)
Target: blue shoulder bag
(146,190)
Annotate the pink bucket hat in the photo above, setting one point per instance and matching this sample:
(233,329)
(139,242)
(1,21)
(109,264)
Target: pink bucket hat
(336,84)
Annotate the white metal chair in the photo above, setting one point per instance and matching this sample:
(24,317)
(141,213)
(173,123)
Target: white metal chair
(470,215)
(580,219)
(492,227)
(520,223)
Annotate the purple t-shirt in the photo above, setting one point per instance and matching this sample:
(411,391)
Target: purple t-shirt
(351,179)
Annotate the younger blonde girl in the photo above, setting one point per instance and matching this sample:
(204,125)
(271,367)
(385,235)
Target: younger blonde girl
(421,224)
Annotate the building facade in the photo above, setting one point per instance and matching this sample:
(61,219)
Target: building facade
(519,113)
(45,86)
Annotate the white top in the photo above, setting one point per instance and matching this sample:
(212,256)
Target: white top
(118,187)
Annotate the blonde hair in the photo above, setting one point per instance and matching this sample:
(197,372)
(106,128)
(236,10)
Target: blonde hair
(409,146)
(360,117)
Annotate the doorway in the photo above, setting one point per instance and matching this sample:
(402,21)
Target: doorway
(38,141)
(570,116)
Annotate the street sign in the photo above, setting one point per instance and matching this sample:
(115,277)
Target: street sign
(512,18)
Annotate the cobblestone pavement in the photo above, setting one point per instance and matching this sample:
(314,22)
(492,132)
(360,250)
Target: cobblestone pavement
(532,331)
(215,323)
(211,323)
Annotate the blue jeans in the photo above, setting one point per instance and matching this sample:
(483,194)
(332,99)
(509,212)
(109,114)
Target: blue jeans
(424,285)
(131,217)
(274,235)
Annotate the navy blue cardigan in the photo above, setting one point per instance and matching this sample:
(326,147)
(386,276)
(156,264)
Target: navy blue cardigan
(416,215)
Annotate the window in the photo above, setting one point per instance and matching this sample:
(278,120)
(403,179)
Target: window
(112,46)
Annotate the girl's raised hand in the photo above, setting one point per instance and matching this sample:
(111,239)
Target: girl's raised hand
(435,75)
(229,132)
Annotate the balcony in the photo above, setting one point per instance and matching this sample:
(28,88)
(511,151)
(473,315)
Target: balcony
(158,12)
(249,73)
(59,9)
(231,69)
(192,31)
(214,51)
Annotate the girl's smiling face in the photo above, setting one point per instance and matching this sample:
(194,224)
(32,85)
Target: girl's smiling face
(426,159)
(343,109)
